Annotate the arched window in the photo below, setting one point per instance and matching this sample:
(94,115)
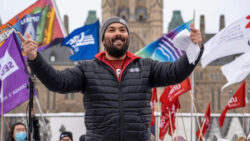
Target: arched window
(212,98)
(141,14)
(52,57)
(230,93)
(248,94)
(218,90)
(124,13)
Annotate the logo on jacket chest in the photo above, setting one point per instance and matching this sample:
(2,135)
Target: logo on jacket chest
(134,70)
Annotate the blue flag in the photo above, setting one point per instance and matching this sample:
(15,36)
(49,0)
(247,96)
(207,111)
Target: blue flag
(84,42)
(163,49)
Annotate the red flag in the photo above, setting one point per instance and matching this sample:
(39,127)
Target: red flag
(238,100)
(174,91)
(206,123)
(165,125)
(152,103)
(166,108)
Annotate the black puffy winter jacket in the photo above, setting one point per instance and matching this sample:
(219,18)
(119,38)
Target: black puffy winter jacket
(114,111)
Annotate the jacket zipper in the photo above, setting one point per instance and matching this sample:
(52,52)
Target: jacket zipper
(121,112)
(120,102)
(120,97)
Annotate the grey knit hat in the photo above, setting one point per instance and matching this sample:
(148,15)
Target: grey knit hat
(111,20)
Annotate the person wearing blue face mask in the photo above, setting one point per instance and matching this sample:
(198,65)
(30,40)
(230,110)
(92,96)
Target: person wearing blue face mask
(18,132)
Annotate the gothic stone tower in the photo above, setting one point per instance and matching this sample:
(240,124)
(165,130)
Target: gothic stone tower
(144,18)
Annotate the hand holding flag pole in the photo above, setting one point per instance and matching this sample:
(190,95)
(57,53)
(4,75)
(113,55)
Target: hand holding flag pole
(195,35)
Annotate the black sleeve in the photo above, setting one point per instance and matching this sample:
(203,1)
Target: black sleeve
(65,81)
(167,73)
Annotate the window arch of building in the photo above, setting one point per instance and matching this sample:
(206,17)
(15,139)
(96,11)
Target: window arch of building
(141,14)
(123,13)
(52,57)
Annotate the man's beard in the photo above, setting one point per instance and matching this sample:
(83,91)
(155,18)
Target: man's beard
(116,51)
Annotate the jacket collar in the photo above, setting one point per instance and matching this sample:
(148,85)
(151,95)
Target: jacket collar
(101,56)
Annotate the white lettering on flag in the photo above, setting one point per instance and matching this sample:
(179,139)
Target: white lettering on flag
(7,66)
(81,40)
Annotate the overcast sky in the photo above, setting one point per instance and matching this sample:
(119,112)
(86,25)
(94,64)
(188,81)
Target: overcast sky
(78,9)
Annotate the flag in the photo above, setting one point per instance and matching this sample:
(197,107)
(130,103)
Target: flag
(13,75)
(206,124)
(166,108)
(40,20)
(167,125)
(238,100)
(163,49)
(152,103)
(233,39)
(170,100)
(236,70)
(174,91)
(84,42)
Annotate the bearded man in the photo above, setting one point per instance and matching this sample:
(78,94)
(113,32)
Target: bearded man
(116,84)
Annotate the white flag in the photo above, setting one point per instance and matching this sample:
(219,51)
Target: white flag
(237,70)
(233,39)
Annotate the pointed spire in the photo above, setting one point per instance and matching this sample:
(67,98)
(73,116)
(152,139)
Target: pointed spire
(91,17)
(0,21)
(176,20)
(66,22)
(222,22)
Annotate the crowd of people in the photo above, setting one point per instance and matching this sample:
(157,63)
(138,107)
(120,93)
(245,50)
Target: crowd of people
(18,132)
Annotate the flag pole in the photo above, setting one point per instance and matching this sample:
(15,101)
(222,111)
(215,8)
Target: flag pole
(6,124)
(171,124)
(41,114)
(183,125)
(177,123)
(59,18)
(243,122)
(192,93)
(30,105)
(195,111)
(1,122)
(157,105)
(194,108)
(200,135)
(1,92)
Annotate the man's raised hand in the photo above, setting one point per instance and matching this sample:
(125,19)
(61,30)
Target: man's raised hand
(29,46)
(195,35)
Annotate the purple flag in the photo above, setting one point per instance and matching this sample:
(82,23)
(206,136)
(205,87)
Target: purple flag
(13,75)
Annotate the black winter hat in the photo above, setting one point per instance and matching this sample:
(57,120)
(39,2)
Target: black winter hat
(111,20)
(66,134)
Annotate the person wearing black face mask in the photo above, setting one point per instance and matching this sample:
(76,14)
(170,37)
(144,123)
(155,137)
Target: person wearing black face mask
(116,83)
